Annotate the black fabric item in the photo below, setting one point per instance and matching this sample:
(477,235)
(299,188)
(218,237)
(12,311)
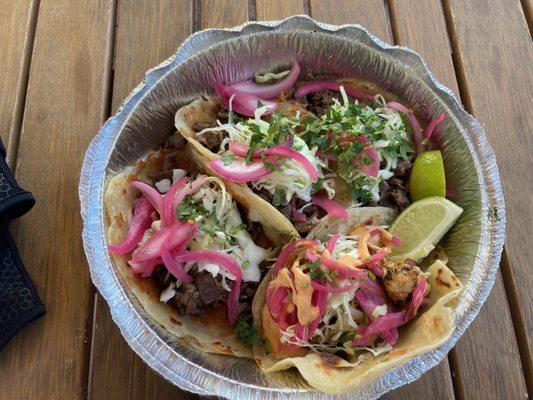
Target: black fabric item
(19,301)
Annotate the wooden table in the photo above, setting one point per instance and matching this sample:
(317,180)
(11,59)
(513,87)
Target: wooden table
(65,67)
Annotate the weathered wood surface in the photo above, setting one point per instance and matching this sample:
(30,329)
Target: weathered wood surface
(64,68)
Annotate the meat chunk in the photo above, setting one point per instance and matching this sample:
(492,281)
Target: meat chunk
(212,140)
(400,280)
(194,298)
(207,292)
(394,191)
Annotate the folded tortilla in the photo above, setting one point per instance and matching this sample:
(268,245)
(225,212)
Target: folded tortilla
(332,374)
(205,110)
(210,333)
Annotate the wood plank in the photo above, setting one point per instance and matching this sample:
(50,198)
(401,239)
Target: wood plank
(17,26)
(64,108)
(494,55)
(411,31)
(373,15)
(278,9)
(159,28)
(436,50)
(370,14)
(223,14)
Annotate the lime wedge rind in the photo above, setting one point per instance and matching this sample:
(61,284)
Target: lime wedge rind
(422,225)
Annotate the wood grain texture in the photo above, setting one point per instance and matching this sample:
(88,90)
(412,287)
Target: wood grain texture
(64,109)
(278,9)
(495,55)
(147,33)
(223,13)
(372,14)
(411,31)
(16,28)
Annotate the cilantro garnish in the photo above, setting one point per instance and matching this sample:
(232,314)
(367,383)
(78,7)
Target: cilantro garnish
(246,332)
(317,185)
(278,197)
(227,158)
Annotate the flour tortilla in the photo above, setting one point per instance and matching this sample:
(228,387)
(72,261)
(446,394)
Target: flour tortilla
(205,110)
(332,374)
(210,333)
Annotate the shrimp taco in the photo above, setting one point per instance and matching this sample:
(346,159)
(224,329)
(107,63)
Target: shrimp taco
(340,311)
(186,248)
(306,147)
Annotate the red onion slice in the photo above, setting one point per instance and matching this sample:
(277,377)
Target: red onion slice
(141,221)
(331,206)
(269,91)
(243,103)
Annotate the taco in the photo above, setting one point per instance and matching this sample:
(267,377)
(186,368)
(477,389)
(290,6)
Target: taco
(303,147)
(335,308)
(187,250)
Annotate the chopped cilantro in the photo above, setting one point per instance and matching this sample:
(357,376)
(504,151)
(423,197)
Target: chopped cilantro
(246,332)
(348,335)
(278,196)
(236,229)
(371,276)
(317,185)
(267,346)
(227,158)
(245,264)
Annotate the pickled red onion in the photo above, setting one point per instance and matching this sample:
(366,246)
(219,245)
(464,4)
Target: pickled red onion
(287,251)
(287,152)
(239,171)
(331,206)
(297,215)
(243,103)
(282,150)
(141,221)
(169,211)
(332,242)
(433,124)
(383,323)
(272,90)
(230,265)
(415,125)
(417,299)
(150,193)
(317,86)
(175,268)
(328,289)
(176,234)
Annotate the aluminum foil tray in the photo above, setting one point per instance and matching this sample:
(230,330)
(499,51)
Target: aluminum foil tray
(146,118)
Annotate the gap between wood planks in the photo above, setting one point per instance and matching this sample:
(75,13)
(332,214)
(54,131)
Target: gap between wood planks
(511,292)
(106,113)
(22,89)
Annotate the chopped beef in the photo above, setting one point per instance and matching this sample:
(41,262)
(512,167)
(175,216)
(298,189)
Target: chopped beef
(394,192)
(207,292)
(400,280)
(212,140)
(403,169)
(319,102)
(175,156)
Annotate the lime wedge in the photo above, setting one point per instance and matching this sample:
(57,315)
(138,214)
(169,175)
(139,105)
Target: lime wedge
(427,177)
(421,225)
